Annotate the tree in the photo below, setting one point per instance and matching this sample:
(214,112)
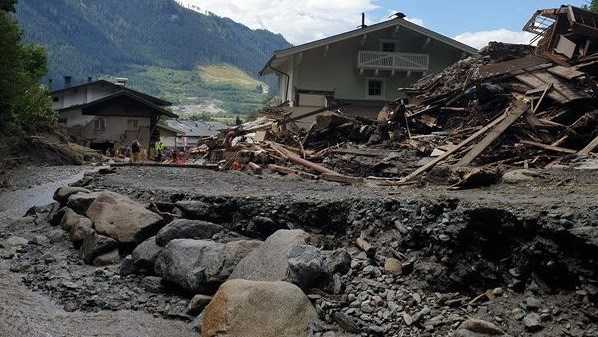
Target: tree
(592,6)
(24,104)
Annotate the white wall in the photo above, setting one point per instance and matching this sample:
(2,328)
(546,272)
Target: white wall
(336,70)
(81,95)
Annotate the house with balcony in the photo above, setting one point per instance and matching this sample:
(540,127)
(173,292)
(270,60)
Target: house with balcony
(362,69)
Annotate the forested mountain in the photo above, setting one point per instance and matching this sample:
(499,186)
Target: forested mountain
(112,37)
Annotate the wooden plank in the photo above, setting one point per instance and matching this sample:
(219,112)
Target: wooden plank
(568,73)
(337,178)
(450,152)
(497,131)
(549,147)
(300,161)
(537,83)
(560,86)
(591,147)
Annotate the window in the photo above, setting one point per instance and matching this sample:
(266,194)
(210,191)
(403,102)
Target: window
(388,47)
(132,124)
(99,124)
(375,88)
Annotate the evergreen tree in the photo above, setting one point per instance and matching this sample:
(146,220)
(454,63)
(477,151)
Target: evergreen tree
(24,104)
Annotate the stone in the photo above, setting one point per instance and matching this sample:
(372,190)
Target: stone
(532,322)
(62,194)
(198,303)
(393,266)
(127,267)
(480,327)
(243,308)
(198,210)
(200,266)
(16,241)
(533,303)
(144,256)
(69,219)
(56,217)
(339,261)
(121,218)
(153,284)
(187,229)
(346,322)
(81,230)
(96,245)
(519,176)
(80,202)
(107,259)
(270,262)
(306,266)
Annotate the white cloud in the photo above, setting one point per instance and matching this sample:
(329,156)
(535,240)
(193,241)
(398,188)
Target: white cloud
(417,21)
(481,39)
(298,21)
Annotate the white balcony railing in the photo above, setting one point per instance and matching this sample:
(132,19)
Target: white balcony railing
(378,60)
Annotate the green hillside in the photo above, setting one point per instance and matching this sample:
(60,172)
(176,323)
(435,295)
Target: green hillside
(158,44)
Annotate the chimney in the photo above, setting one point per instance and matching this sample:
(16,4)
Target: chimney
(89,79)
(363,20)
(68,81)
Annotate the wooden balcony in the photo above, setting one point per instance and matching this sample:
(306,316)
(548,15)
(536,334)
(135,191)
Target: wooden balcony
(377,60)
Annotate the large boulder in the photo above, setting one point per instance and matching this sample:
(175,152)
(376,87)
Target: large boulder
(69,219)
(81,230)
(306,266)
(144,256)
(122,219)
(244,308)
(200,266)
(187,229)
(96,245)
(80,202)
(62,194)
(270,262)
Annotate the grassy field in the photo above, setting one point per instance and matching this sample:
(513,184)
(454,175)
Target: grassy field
(229,88)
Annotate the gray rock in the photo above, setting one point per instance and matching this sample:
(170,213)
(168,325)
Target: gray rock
(144,256)
(196,210)
(339,261)
(200,266)
(519,176)
(81,230)
(121,218)
(478,328)
(198,303)
(306,266)
(107,259)
(69,219)
(127,267)
(187,229)
(153,284)
(258,309)
(270,262)
(16,241)
(346,323)
(80,202)
(62,194)
(533,303)
(96,245)
(532,322)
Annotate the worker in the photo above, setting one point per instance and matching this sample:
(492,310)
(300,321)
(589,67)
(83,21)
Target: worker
(135,149)
(159,150)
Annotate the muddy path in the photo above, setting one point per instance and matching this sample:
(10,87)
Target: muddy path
(27,313)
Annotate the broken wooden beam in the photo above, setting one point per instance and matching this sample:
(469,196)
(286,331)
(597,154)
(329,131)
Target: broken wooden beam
(288,170)
(591,147)
(549,147)
(342,179)
(300,161)
(450,152)
(519,109)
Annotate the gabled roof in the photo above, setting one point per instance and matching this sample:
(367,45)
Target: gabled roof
(370,29)
(153,99)
(122,93)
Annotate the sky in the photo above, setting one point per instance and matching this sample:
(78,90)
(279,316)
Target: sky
(474,22)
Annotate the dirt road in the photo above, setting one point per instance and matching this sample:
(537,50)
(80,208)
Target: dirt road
(27,313)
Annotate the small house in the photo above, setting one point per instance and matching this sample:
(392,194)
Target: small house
(105,115)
